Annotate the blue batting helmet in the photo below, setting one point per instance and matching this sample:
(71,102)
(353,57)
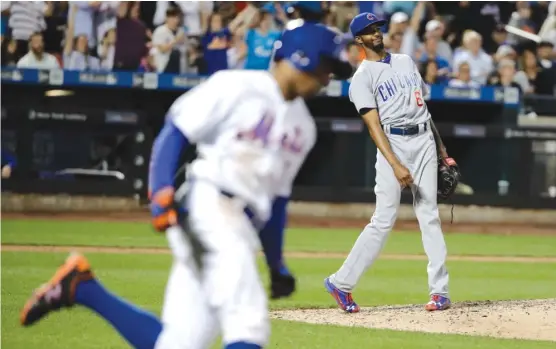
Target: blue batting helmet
(306,45)
(363,20)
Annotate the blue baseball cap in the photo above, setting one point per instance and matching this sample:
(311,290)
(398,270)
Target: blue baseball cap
(306,45)
(363,20)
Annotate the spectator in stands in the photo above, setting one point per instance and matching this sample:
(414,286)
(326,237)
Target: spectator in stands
(435,29)
(393,42)
(9,57)
(505,52)
(195,59)
(548,29)
(195,15)
(483,17)
(260,42)
(76,47)
(77,57)
(353,55)
(107,49)
(165,43)
(430,47)
(216,42)
(499,37)
(56,17)
(401,23)
(480,63)
(237,53)
(26,18)
(36,58)
(541,80)
(106,19)
(431,73)
(329,19)
(463,77)
(505,76)
(545,51)
(345,11)
(521,19)
(131,39)
(84,12)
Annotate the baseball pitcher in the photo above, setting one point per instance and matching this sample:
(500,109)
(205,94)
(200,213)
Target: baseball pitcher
(388,92)
(251,142)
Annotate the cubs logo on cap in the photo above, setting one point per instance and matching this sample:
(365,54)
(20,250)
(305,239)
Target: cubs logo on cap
(362,21)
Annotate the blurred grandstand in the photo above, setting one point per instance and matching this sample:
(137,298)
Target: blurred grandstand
(463,44)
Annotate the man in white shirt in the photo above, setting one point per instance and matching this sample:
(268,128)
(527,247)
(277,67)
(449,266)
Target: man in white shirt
(195,14)
(165,40)
(36,58)
(26,18)
(479,62)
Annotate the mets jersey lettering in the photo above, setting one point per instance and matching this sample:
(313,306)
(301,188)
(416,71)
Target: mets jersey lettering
(249,140)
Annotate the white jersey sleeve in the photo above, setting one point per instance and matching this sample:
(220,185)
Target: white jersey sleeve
(361,90)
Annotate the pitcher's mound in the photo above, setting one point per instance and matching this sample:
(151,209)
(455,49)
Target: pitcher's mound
(529,319)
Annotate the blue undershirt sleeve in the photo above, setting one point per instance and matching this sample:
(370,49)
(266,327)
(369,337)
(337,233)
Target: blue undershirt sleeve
(166,151)
(272,235)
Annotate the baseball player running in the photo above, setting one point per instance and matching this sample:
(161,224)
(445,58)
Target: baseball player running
(250,145)
(388,93)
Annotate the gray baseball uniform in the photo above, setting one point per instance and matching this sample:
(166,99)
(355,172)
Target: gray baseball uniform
(396,89)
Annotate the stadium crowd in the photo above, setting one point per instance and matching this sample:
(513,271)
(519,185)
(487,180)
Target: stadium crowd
(461,44)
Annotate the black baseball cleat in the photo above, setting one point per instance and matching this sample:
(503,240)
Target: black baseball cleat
(59,292)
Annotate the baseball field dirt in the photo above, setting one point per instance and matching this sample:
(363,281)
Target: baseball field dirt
(530,319)
(303,222)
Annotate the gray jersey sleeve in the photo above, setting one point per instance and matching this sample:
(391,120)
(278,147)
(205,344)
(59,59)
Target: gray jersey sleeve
(361,92)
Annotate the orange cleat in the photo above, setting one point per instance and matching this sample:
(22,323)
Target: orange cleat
(59,292)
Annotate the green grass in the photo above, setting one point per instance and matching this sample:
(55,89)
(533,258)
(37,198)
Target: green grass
(142,278)
(48,232)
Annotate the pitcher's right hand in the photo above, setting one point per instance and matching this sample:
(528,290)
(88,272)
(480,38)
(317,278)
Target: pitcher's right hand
(402,175)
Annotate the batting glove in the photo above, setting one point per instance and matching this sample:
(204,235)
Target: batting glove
(163,209)
(282,283)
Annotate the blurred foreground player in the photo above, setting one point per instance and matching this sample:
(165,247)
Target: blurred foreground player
(250,148)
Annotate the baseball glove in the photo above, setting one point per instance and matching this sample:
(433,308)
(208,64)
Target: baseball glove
(448,177)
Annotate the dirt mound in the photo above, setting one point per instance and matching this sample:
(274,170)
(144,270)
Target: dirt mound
(530,319)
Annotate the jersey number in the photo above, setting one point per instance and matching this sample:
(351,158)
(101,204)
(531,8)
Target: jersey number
(419,99)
